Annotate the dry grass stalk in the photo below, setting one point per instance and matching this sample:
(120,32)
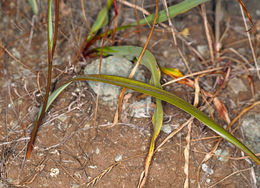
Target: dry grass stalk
(174,37)
(205,21)
(187,156)
(233,173)
(97,178)
(121,96)
(250,42)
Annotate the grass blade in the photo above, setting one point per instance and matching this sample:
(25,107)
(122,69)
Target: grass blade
(34,6)
(51,47)
(165,96)
(174,10)
(102,19)
(174,100)
(149,61)
(53,96)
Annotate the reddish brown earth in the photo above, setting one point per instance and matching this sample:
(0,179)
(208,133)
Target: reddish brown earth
(65,141)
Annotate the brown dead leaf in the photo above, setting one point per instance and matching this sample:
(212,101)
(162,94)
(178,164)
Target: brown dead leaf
(221,109)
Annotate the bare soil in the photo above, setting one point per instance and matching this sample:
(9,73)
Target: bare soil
(67,153)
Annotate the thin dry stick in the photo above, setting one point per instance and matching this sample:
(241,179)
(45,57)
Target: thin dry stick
(137,19)
(136,65)
(233,173)
(241,56)
(218,15)
(29,179)
(17,60)
(173,133)
(192,74)
(187,156)
(205,20)
(66,171)
(84,14)
(250,42)
(225,32)
(197,90)
(100,65)
(187,43)
(204,138)
(134,6)
(234,60)
(107,170)
(116,22)
(31,32)
(174,37)
(188,137)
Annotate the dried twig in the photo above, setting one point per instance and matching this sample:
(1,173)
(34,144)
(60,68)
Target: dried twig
(250,42)
(121,96)
(204,16)
(233,173)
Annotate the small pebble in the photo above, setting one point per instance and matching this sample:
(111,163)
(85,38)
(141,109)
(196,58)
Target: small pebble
(92,166)
(208,180)
(118,157)
(54,172)
(206,168)
(203,49)
(166,128)
(97,151)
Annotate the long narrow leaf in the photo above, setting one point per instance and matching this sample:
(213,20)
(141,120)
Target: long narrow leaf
(34,6)
(174,10)
(165,96)
(53,96)
(101,20)
(174,100)
(149,61)
(50,28)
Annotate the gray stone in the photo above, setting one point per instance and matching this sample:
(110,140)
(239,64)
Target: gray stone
(141,108)
(166,128)
(207,169)
(251,128)
(119,157)
(237,85)
(112,65)
(224,153)
(203,50)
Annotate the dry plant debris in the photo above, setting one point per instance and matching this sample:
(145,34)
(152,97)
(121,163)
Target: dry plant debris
(65,153)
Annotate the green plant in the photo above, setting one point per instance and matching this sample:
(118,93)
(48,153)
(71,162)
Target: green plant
(131,52)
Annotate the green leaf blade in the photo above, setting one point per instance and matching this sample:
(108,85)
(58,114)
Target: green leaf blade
(174,10)
(174,100)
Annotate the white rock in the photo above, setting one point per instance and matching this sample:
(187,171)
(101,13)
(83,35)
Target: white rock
(112,65)
(203,50)
(237,85)
(118,157)
(207,169)
(54,172)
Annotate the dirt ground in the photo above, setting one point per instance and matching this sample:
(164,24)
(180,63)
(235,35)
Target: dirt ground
(66,154)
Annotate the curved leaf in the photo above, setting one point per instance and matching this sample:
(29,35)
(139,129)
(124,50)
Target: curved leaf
(172,99)
(174,10)
(101,20)
(165,96)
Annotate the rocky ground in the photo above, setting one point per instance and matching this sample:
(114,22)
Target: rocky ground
(65,152)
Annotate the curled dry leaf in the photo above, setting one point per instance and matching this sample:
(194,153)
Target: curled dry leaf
(221,109)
